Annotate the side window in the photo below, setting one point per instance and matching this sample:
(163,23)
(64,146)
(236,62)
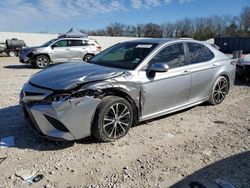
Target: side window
(199,53)
(61,43)
(172,55)
(77,43)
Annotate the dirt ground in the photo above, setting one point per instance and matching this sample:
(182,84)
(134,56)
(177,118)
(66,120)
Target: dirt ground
(201,147)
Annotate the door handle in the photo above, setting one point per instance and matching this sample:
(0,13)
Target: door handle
(215,65)
(186,72)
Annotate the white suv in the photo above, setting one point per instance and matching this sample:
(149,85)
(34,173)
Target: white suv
(60,51)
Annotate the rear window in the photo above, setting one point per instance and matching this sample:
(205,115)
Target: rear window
(76,43)
(199,53)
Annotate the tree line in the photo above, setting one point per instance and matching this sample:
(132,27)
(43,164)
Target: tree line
(201,28)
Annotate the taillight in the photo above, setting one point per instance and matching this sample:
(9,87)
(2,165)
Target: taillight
(99,48)
(242,56)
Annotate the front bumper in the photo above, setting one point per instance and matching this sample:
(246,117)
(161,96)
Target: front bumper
(25,60)
(26,57)
(65,120)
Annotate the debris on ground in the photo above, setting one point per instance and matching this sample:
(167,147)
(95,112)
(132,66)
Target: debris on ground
(29,175)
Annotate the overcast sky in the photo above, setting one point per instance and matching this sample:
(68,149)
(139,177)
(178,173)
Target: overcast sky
(58,16)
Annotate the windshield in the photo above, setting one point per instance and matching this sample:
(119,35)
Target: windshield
(126,55)
(48,43)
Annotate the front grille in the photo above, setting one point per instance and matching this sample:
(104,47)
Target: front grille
(27,93)
(57,124)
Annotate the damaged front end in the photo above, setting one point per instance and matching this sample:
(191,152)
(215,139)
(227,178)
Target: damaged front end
(61,101)
(65,115)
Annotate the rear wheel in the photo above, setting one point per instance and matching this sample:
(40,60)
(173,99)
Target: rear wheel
(87,57)
(219,90)
(113,119)
(12,53)
(41,61)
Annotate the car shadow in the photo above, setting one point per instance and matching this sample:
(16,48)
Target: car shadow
(233,170)
(18,67)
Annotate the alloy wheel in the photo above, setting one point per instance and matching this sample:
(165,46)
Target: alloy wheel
(116,121)
(42,62)
(220,90)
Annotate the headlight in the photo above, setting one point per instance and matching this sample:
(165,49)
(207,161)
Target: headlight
(74,94)
(34,51)
(64,96)
(60,97)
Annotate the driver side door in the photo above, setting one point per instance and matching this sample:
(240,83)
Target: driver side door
(166,91)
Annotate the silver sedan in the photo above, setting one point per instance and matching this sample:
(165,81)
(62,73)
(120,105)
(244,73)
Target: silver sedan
(127,83)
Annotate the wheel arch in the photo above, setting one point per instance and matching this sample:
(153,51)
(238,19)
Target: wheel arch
(88,54)
(44,54)
(126,96)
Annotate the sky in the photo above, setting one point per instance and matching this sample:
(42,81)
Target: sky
(58,16)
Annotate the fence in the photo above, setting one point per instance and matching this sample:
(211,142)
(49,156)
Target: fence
(37,39)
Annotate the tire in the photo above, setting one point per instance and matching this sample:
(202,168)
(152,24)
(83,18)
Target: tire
(87,57)
(41,61)
(219,91)
(12,53)
(109,127)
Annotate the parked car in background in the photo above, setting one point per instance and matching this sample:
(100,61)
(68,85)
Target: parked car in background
(59,51)
(243,67)
(127,83)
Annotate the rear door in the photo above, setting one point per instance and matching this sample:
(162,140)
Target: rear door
(203,68)
(60,51)
(77,49)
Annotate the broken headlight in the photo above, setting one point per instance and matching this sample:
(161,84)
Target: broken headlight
(74,94)
(60,97)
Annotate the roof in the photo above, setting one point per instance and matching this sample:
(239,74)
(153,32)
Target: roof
(154,40)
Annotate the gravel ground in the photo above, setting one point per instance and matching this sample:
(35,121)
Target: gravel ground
(199,146)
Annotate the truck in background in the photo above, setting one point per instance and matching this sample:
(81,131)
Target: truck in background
(12,47)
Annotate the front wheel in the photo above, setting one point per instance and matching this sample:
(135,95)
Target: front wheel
(41,61)
(219,91)
(113,119)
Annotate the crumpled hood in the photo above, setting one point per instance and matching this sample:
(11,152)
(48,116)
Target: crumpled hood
(69,75)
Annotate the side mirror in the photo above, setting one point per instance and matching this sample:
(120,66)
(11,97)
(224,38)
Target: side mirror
(53,46)
(159,67)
